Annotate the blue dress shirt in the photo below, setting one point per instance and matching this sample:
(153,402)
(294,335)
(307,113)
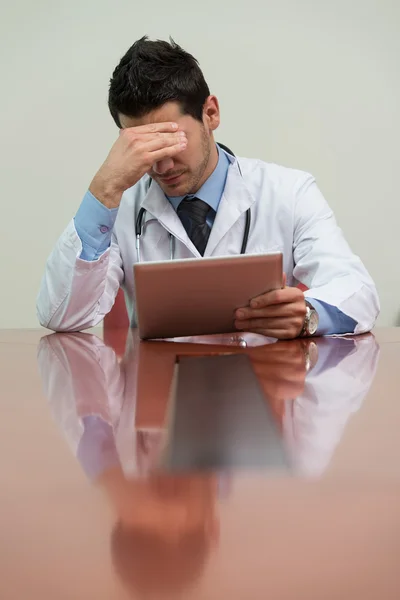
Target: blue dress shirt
(94,223)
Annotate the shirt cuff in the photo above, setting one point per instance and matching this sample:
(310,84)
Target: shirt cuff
(331,319)
(96,450)
(94,223)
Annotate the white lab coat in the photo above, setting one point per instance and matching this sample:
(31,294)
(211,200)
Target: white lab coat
(288,214)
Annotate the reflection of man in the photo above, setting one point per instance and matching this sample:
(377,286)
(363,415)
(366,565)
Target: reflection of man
(313,387)
(165,525)
(334,389)
(199,200)
(93,396)
(165,528)
(282,369)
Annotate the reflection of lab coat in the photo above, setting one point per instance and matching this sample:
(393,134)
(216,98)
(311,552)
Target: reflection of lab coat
(334,389)
(288,212)
(82,378)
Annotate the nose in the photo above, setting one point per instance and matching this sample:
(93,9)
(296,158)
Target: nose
(163,166)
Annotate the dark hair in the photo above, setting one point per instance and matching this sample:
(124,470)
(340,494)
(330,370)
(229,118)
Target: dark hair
(147,564)
(153,73)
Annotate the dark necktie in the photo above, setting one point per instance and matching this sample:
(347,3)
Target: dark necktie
(193,214)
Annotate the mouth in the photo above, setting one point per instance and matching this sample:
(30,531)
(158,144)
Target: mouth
(171,180)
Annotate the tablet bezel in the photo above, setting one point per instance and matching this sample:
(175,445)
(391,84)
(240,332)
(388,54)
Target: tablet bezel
(185,297)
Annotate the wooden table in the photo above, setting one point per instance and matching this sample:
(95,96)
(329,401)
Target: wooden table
(82,514)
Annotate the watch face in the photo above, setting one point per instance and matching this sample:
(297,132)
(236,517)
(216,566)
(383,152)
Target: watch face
(313,322)
(312,354)
(310,349)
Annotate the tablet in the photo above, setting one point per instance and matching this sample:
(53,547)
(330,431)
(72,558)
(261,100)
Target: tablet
(199,296)
(219,418)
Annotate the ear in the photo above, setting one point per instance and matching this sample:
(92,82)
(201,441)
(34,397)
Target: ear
(211,114)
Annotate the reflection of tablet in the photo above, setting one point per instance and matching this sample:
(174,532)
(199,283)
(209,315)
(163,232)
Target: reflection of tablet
(219,417)
(199,296)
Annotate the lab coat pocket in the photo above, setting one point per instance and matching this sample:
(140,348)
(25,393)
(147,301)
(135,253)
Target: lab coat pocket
(264,249)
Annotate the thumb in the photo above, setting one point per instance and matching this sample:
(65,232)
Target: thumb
(284,281)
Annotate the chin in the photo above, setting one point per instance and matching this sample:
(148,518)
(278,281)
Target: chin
(178,189)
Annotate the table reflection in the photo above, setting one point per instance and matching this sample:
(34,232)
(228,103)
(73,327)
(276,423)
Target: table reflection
(112,408)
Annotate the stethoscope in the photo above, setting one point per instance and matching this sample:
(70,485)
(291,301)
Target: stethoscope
(139,226)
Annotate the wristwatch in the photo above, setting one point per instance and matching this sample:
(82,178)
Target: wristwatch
(310,350)
(310,324)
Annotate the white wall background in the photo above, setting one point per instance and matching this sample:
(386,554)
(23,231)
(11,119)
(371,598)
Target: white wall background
(312,84)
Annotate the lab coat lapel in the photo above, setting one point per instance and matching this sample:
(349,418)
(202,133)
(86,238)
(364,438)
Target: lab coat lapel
(157,205)
(235,201)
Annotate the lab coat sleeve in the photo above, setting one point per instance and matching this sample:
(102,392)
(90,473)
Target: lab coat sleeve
(324,261)
(76,294)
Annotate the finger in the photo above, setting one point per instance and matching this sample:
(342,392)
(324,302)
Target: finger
(277,353)
(290,326)
(290,366)
(153,142)
(251,324)
(284,377)
(166,152)
(276,310)
(154,128)
(279,334)
(284,281)
(288,294)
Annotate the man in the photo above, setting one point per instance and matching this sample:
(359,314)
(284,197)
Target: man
(195,198)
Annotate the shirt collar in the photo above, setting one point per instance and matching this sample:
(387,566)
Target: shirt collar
(212,189)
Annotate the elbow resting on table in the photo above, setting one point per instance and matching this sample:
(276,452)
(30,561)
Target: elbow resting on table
(64,321)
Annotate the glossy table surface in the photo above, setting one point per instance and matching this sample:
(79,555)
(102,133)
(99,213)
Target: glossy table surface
(89,510)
